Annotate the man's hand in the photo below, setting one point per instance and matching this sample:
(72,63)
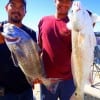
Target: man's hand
(1,39)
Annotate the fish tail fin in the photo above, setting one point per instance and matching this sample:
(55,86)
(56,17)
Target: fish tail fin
(79,94)
(51,83)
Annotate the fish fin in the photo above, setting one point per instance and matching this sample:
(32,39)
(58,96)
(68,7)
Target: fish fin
(30,81)
(51,84)
(53,87)
(79,95)
(15,61)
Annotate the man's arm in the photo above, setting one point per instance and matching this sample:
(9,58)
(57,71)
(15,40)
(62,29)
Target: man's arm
(1,37)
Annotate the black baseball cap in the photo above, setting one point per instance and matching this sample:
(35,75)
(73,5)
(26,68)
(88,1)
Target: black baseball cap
(23,1)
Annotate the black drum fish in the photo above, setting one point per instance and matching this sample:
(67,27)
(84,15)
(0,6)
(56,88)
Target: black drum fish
(25,54)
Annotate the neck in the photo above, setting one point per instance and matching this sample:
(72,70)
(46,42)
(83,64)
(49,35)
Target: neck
(60,16)
(17,24)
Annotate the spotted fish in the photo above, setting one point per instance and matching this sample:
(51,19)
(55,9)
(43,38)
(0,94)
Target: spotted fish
(83,44)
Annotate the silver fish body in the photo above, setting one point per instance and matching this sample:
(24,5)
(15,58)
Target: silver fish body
(25,50)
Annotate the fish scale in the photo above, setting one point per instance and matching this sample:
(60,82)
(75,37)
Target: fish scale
(25,51)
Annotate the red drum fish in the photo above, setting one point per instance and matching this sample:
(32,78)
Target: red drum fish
(83,44)
(25,50)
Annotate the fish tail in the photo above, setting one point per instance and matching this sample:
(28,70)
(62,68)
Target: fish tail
(50,83)
(79,95)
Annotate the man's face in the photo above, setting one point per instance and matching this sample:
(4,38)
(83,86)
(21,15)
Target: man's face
(63,6)
(16,11)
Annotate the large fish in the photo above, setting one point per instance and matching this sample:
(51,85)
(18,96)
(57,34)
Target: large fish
(83,44)
(25,54)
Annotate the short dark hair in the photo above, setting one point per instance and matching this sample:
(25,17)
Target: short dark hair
(23,1)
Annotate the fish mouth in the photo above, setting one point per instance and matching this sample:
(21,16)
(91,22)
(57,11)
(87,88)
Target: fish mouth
(16,39)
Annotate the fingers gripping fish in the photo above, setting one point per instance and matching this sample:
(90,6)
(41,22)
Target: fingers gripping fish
(83,44)
(25,50)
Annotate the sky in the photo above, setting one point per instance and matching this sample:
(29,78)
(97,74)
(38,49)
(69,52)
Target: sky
(36,9)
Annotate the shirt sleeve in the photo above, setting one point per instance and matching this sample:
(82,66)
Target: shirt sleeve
(40,33)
